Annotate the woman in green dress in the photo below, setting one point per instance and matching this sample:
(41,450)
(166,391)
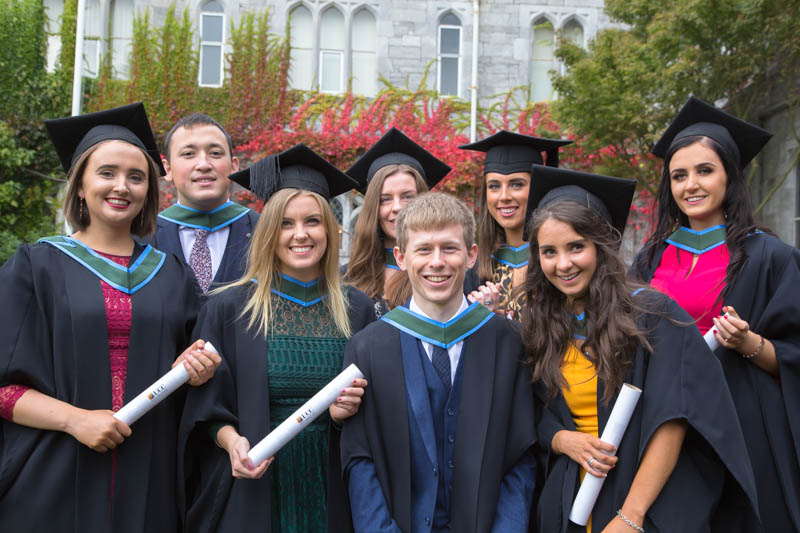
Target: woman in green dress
(281,330)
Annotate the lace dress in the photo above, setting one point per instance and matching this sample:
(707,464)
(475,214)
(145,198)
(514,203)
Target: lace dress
(304,354)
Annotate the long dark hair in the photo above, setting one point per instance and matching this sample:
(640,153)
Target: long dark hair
(611,310)
(739,221)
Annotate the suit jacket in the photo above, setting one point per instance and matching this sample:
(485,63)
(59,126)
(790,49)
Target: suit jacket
(234,258)
(494,433)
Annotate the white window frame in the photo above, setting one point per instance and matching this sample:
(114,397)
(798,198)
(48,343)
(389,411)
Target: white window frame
(311,50)
(340,53)
(449,55)
(84,62)
(221,44)
(374,51)
(554,63)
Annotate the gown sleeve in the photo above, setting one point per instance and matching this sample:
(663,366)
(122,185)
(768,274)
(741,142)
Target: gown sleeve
(23,337)
(204,468)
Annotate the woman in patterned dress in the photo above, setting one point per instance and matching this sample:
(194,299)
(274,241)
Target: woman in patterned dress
(503,212)
(281,330)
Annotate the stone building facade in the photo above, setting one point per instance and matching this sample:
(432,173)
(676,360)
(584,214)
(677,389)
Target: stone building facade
(337,41)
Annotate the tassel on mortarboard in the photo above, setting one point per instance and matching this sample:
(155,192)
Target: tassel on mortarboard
(265,176)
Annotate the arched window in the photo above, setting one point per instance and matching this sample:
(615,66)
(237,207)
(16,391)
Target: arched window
(212,41)
(573,31)
(542,59)
(449,75)
(301,43)
(331,51)
(91,39)
(121,32)
(365,61)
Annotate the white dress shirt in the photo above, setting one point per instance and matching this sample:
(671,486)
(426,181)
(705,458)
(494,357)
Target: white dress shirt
(455,350)
(216,240)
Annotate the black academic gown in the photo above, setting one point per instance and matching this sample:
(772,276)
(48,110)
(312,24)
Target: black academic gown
(765,294)
(495,426)
(54,339)
(233,263)
(239,395)
(681,379)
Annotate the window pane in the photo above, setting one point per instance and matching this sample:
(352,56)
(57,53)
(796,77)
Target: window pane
(93,18)
(54,10)
(210,64)
(363,33)
(120,55)
(300,69)
(449,40)
(543,41)
(121,19)
(331,35)
(450,20)
(212,28)
(365,73)
(573,31)
(541,89)
(448,83)
(91,57)
(301,30)
(214,7)
(121,33)
(331,72)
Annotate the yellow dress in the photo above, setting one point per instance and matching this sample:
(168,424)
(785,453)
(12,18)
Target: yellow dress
(581,395)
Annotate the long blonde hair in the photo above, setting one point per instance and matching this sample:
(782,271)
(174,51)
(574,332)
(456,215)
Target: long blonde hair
(263,264)
(365,270)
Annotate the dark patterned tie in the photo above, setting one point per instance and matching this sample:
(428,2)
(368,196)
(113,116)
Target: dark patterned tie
(441,362)
(200,259)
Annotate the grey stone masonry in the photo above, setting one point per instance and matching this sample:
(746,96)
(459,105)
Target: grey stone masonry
(408,32)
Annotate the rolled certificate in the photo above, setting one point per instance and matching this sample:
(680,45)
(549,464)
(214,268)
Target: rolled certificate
(289,428)
(155,393)
(710,339)
(612,434)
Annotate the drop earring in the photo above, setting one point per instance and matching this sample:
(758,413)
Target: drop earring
(80,209)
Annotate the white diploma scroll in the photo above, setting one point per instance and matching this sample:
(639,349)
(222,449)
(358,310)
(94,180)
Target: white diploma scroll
(612,434)
(318,404)
(155,393)
(710,339)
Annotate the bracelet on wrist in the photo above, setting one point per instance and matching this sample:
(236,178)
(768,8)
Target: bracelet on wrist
(758,350)
(630,522)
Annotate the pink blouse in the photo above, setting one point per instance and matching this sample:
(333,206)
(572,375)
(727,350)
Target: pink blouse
(118,321)
(696,290)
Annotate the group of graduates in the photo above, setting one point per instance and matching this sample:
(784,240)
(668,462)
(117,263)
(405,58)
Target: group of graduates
(492,353)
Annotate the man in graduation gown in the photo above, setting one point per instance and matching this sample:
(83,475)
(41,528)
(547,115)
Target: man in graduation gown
(443,439)
(206,229)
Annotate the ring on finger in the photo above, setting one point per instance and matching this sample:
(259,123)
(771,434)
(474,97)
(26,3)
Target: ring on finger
(591,463)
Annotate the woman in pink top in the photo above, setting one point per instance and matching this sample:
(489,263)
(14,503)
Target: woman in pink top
(708,254)
(89,321)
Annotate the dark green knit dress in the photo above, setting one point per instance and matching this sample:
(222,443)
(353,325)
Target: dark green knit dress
(304,352)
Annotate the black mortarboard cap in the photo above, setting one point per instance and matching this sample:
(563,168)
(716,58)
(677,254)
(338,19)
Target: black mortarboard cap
(740,139)
(72,136)
(299,167)
(508,152)
(610,197)
(395,148)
